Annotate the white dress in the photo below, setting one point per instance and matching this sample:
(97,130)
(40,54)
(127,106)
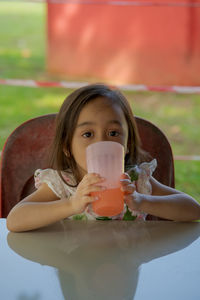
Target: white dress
(63,190)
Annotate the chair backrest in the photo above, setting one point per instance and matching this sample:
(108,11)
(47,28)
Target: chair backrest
(26,150)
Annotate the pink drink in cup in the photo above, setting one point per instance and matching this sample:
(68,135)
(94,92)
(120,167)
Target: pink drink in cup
(107,159)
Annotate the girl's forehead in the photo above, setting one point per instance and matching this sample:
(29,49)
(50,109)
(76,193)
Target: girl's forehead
(102,103)
(102,109)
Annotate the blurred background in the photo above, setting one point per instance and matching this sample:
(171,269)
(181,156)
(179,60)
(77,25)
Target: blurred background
(143,45)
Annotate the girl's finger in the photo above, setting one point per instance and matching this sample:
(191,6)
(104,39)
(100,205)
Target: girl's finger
(128,199)
(125,181)
(86,188)
(130,188)
(93,189)
(125,176)
(92,178)
(89,199)
(133,200)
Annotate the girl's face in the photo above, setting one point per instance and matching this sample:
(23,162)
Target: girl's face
(99,120)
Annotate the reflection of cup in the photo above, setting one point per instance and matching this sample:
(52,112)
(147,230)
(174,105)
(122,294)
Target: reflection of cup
(107,159)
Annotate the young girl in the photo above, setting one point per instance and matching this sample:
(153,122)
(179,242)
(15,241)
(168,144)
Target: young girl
(88,115)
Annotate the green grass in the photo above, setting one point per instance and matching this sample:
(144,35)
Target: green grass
(22,32)
(23,55)
(187,177)
(19,104)
(177,115)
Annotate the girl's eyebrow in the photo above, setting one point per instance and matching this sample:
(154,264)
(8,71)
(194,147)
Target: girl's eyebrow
(93,123)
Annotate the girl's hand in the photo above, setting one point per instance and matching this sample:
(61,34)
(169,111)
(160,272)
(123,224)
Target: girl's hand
(90,183)
(131,197)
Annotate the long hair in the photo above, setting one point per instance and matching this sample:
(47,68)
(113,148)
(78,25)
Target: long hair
(67,118)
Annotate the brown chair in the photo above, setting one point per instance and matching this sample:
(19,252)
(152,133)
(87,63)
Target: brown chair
(26,150)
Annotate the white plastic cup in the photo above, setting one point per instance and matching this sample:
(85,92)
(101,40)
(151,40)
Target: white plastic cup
(107,159)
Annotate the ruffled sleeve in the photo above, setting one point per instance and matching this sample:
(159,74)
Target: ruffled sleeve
(146,169)
(53,180)
(143,186)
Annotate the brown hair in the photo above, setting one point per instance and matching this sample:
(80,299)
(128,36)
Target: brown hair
(67,118)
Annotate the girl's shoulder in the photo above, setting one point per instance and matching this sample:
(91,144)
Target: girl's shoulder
(53,179)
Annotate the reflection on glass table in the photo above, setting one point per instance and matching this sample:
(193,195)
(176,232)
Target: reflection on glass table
(103,260)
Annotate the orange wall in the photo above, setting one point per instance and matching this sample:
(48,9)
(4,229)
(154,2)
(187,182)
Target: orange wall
(125,44)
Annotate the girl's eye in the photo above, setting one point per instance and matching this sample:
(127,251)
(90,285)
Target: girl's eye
(113,133)
(87,134)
